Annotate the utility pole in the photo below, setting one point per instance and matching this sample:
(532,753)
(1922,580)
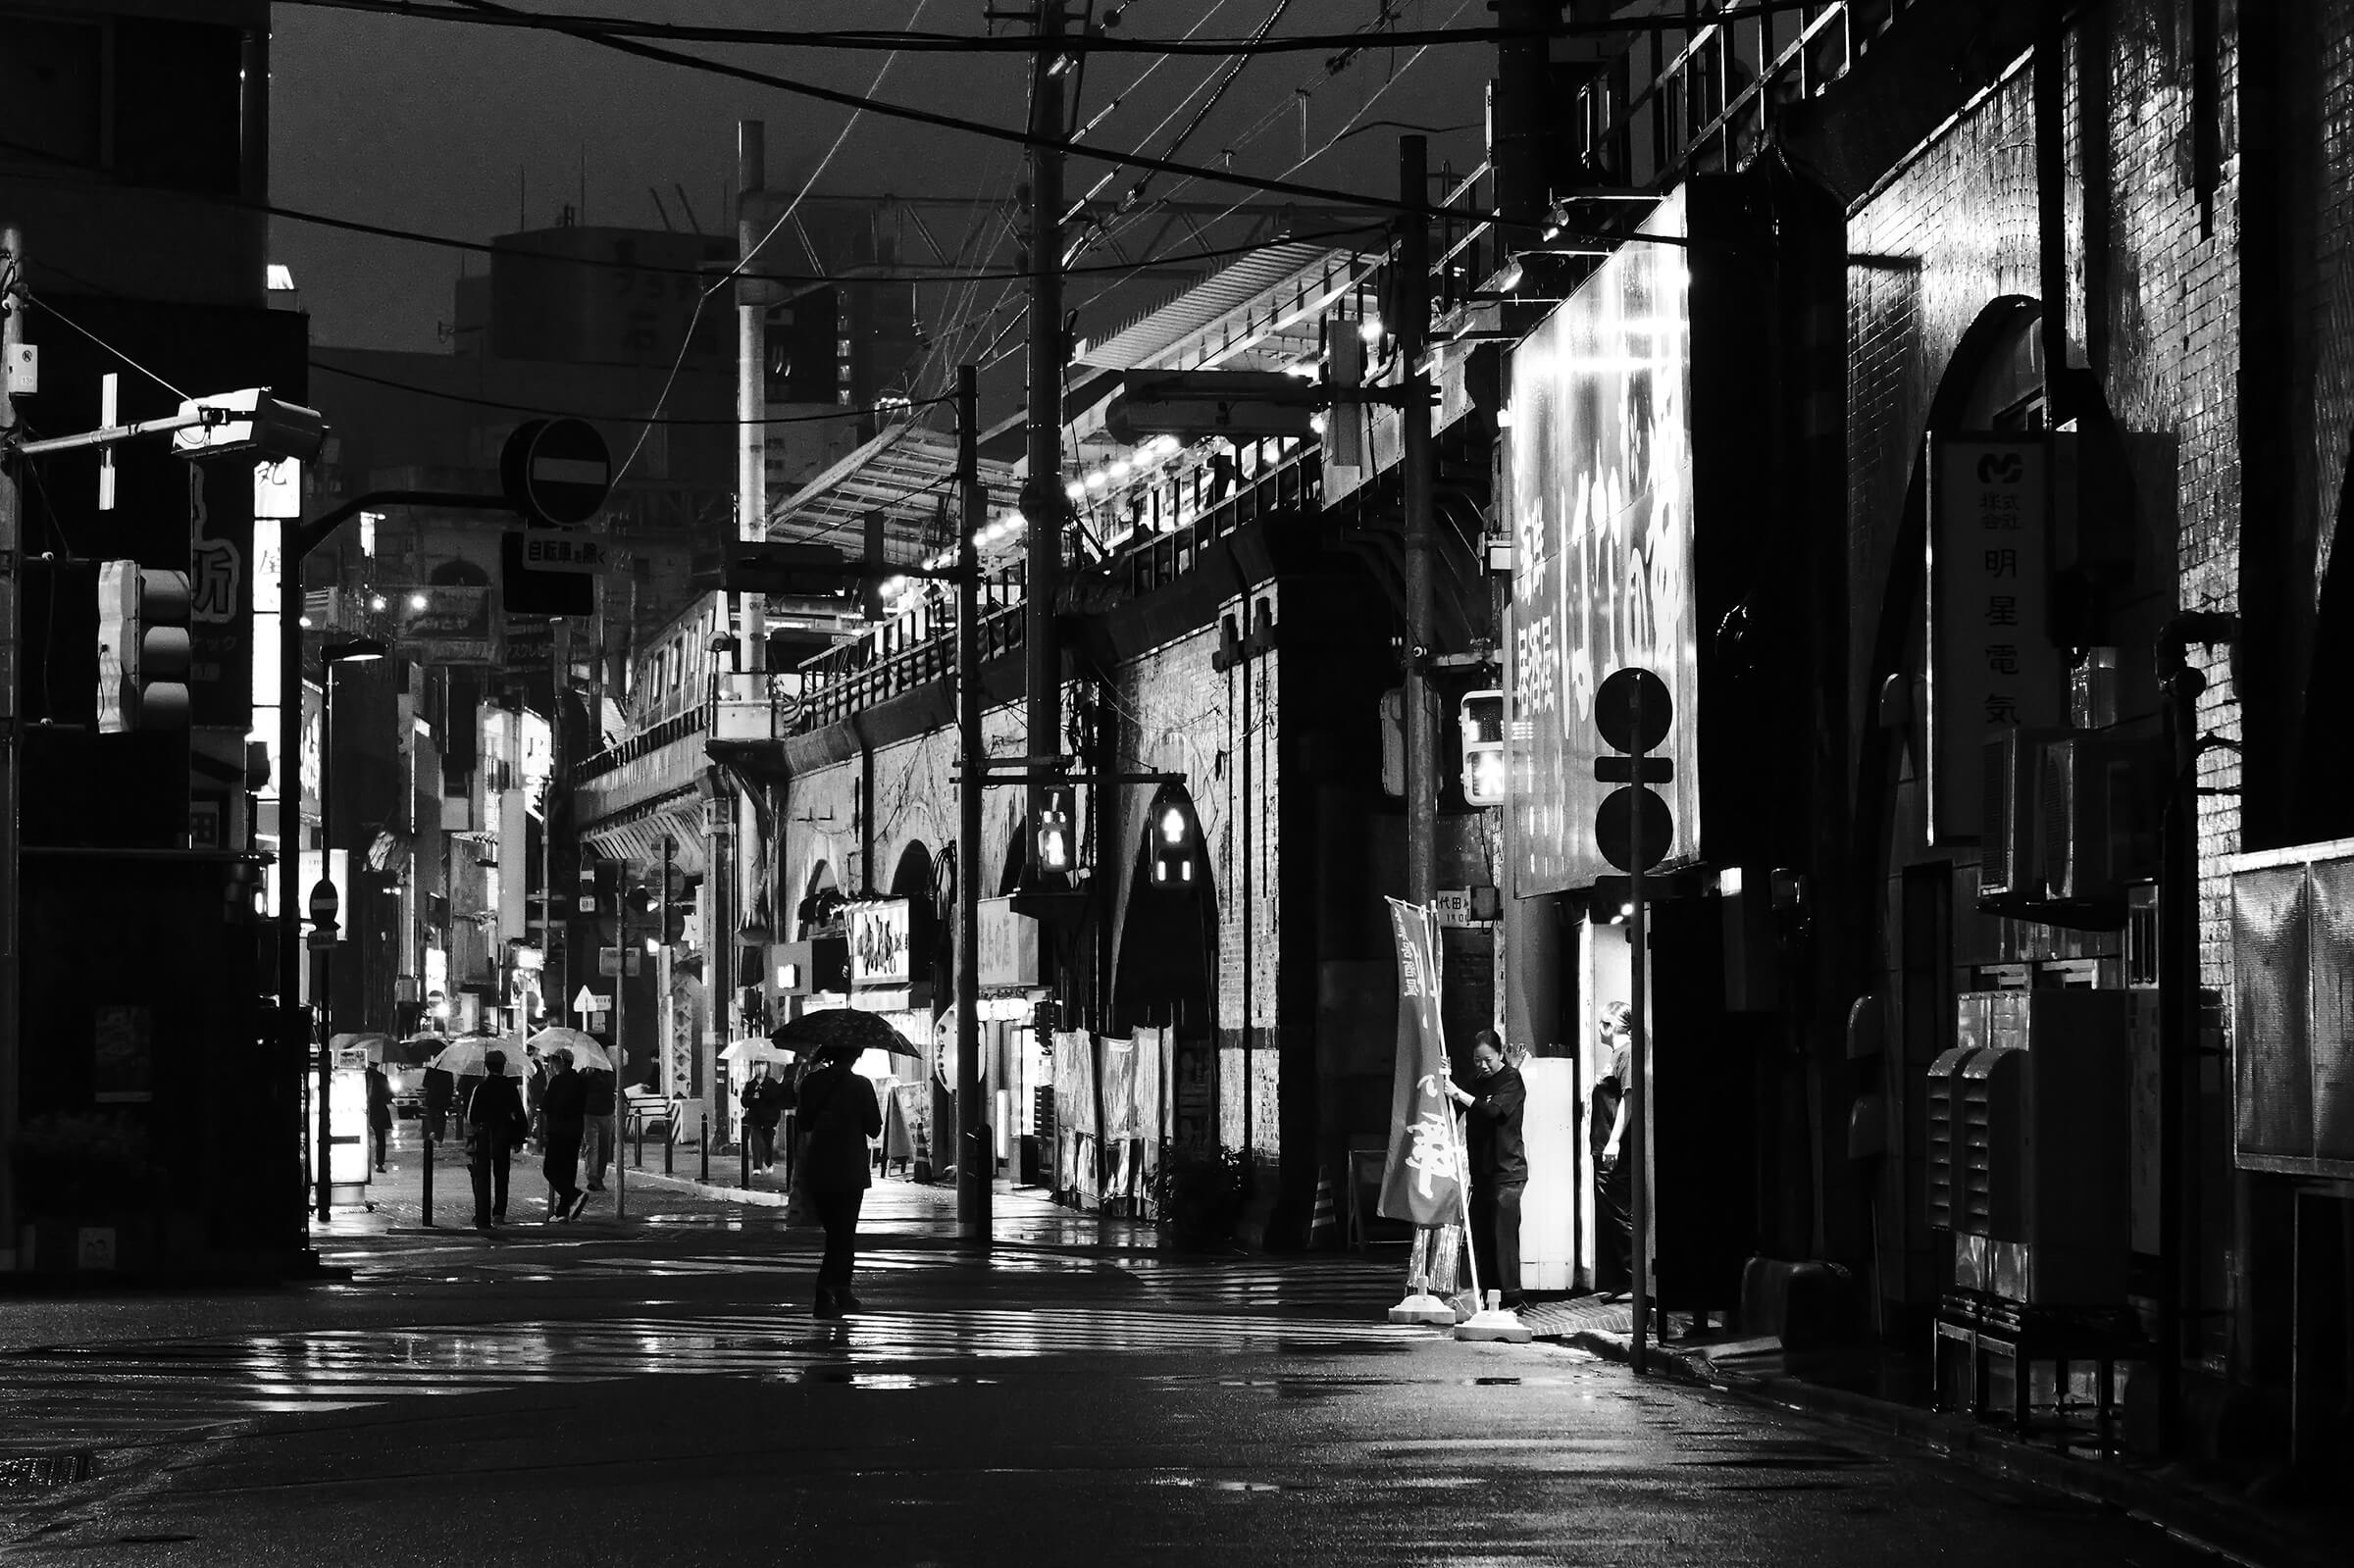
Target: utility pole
(751,377)
(1412,332)
(1042,500)
(974,1164)
(732,853)
(11,728)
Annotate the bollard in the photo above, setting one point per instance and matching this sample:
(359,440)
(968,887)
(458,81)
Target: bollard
(703,1136)
(426,1134)
(640,1132)
(669,1143)
(744,1159)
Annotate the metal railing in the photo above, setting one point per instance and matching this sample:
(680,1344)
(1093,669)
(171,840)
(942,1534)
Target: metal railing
(677,727)
(859,675)
(1682,102)
(1149,561)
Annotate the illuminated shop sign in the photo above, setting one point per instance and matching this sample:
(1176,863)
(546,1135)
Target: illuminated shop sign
(1602,488)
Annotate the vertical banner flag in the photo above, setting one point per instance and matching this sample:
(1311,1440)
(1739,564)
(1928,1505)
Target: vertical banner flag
(1422,1179)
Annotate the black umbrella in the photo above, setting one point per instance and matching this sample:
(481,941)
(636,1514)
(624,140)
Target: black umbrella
(841,1028)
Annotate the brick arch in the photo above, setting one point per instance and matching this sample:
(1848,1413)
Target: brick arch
(1165,966)
(1900,624)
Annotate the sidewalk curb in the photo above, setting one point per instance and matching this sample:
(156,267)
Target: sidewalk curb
(763,1198)
(2152,1497)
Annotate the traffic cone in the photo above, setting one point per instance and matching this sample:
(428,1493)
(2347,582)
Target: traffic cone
(1324,1224)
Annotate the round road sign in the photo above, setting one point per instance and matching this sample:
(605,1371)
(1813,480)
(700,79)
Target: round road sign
(1626,812)
(1615,703)
(557,470)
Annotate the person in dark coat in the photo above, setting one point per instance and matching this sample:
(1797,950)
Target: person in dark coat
(563,1115)
(380,1112)
(763,1108)
(1499,1164)
(441,1092)
(495,1125)
(1613,1177)
(839,1113)
(596,1148)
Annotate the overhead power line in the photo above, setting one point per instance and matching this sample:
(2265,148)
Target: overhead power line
(330,368)
(1019,138)
(723,266)
(1101,43)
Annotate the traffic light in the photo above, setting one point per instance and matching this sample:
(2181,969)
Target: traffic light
(1174,842)
(142,648)
(1481,716)
(1056,847)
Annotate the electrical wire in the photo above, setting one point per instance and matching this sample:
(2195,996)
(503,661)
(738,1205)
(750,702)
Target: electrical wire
(1103,43)
(43,302)
(331,369)
(1022,137)
(695,318)
(487,248)
(1346,130)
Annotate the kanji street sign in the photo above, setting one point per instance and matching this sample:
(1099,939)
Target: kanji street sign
(553,550)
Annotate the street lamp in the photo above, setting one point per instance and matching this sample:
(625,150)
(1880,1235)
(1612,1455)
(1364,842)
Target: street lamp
(324,900)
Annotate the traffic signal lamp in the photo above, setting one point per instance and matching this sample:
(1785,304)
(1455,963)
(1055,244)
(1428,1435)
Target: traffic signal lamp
(1175,839)
(1481,716)
(142,648)
(1057,845)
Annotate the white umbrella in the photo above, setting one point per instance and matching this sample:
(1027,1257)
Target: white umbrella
(586,1053)
(756,1051)
(463,1058)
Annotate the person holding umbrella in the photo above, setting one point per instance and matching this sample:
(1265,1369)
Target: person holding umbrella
(495,1125)
(563,1113)
(839,1113)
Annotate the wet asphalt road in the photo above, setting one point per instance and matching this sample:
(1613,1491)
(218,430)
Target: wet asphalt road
(660,1396)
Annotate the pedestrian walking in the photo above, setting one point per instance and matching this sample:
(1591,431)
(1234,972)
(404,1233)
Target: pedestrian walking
(1614,1178)
(379,1113)
(840,1113)
(534,1089)
(761,1109)
(495,1125)
(596,1151)
(440,1092)
(563,1117)
(1498,1163)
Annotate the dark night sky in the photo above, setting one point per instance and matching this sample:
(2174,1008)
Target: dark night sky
(474,131)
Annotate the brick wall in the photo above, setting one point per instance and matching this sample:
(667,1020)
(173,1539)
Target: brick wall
(1171,712)
(1176,713)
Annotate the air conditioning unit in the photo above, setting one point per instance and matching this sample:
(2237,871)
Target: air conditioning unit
(2011,820)
(2101,800)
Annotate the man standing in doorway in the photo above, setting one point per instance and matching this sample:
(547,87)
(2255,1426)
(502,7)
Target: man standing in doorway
(1499,1164)
(1614,1178)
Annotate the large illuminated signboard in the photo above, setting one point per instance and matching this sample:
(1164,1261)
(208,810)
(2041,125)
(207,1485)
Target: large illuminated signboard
(1601,496)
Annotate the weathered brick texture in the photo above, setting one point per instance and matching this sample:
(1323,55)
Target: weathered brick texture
(1173,712)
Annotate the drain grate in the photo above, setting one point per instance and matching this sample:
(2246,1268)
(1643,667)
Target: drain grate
(44,1470)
